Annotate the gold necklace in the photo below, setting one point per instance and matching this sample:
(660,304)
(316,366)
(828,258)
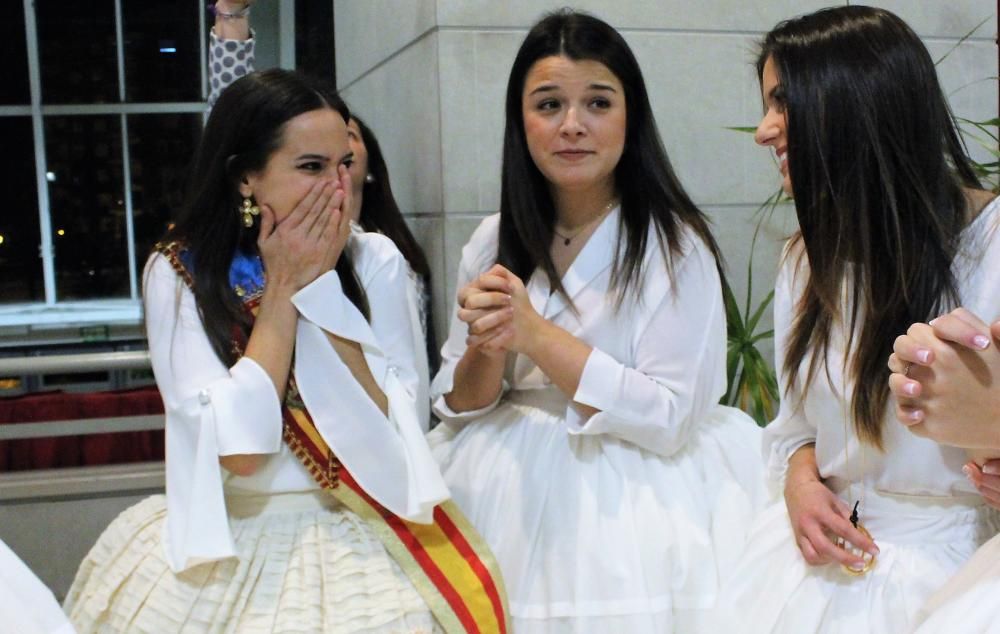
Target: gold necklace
(567,239)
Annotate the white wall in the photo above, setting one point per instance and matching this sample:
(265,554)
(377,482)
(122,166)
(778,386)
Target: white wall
(429,75)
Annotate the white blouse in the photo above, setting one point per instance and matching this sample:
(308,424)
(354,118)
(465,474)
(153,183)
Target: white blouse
(910,465)
(213,411)
(655,370)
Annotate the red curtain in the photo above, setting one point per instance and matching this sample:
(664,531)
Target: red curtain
(71,451)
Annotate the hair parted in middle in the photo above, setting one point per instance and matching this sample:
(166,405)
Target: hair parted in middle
(647,187)
(877,169)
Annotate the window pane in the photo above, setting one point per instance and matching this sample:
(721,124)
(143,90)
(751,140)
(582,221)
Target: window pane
(162,51)
(77,50)
(20,265)
(14,87)
(87,208)
(161,146)
(314,46)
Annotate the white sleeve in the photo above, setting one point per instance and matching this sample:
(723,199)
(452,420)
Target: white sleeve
(386,455)
(476,259)
(792,429)
(678,369)
(211,411)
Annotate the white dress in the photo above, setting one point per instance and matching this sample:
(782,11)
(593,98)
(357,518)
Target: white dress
(26,604)
(624,521)
(271,552)
(925,517)
(968,603)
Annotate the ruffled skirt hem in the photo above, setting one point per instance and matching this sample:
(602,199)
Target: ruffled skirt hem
(315,569)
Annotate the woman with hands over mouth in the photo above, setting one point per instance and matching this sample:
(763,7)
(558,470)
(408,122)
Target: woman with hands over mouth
(581,431)
(373,206)
(297,476)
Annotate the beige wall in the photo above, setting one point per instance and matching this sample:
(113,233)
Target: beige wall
(429,75)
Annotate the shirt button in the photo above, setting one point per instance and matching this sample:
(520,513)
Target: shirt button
(204,397)
(393,369)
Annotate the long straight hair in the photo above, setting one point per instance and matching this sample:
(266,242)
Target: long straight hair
(244,130)
(645,181)
(877,170)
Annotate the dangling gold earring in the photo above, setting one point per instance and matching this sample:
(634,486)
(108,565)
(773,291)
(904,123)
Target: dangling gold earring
(249,210)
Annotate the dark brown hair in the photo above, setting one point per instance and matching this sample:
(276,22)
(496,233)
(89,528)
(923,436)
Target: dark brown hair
(877,169)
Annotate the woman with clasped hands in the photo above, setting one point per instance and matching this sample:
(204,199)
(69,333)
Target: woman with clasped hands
(586,356)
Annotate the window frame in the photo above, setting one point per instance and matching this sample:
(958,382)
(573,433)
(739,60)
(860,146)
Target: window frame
(54,312)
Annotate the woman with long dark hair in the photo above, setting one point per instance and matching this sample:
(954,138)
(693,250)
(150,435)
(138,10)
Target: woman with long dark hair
(282,355)
(894,228)
(373,207)
(586,357)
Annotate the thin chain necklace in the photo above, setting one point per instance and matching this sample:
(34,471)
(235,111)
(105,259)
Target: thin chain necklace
(569,238)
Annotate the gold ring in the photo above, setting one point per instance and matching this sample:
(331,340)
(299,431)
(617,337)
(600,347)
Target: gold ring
(868,559)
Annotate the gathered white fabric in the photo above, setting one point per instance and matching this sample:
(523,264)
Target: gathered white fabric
(922,542)
(627,520)
(967,604)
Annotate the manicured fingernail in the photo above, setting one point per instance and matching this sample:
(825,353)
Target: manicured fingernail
(874,551)
(990,469)
(931,322)
(910,388)
(981,342)
(916,414)
(923,355)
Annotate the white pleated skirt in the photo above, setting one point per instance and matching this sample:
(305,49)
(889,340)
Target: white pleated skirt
(922,542)
(594,534)
(304,564)
(970,602)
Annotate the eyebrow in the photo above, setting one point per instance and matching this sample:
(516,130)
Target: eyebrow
(551,87)
(321,157)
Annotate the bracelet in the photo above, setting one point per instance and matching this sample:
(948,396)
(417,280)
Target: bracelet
(235,15)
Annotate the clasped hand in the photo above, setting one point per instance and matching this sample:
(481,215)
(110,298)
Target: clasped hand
(499,315)
(308,241)
(946,381)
